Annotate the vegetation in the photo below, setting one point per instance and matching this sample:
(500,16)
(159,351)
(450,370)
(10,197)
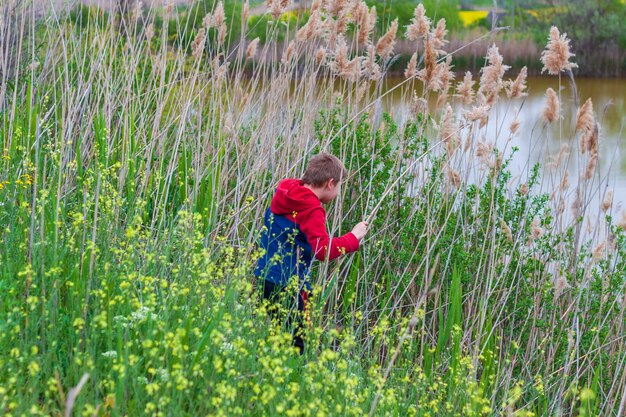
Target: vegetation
(403,11)
(594,27)
(134,173)
(600,43)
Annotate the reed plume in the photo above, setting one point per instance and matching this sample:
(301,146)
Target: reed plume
(149,32)
(316,5)
(465,88)
(312,28)
(556,161)
(536,231)
(363,18)
(445,75)
(371,68)
(578,201)
(197,45)
(373,18)
(594,139)
(217,20)
(607,202)
(598,251)
(515,89)
(354,69)
(341,23)
(491,78)
(411,69)
(277,7)
(136,12)
(514,126)
(449,132)
(552,110)
(341,62)
(219,17)
(419,105)
(360,92)
(206,21)
(560,285)
(439,35)
(336,7)
(427,74)
(342,65)
(320,56)
(478,113)
(359,11)
(586,124)
(289,53)
(565,181)
(584,116)
(506,230)
(221,33)
(563,152)
(523,189)
(245,12)
(219,70)
(252,48)
(385,45)
(468,138)
(442,78)
(420,24)
(555,57)
(591,166)
(483,151)
(454,177)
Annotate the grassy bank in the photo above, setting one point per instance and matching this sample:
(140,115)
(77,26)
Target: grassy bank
(133,179)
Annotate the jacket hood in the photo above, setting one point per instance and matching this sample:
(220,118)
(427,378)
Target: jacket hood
(291,195)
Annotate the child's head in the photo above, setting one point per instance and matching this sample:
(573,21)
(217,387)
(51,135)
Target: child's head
(324,173)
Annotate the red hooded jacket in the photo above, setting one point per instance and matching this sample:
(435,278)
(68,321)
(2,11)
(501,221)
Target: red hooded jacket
(300,205)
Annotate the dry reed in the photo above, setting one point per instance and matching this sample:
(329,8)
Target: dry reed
(420,24)
(515,89)
(491,78)
(385,45)
(556,56)
(552,109)
(465,88)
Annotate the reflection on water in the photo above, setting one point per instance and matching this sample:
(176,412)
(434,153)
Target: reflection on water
(536,141)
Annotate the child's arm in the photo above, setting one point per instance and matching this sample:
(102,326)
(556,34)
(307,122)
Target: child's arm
(360,230)
(314,228)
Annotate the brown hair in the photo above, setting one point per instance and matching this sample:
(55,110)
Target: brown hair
(323,167)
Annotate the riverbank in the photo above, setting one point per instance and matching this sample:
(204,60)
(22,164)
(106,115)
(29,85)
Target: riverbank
(520,41)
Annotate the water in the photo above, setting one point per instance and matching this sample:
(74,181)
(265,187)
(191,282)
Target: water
(537,141)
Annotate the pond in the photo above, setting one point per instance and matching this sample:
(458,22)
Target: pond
(537,141)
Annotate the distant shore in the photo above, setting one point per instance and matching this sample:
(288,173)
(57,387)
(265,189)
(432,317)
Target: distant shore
(469,47)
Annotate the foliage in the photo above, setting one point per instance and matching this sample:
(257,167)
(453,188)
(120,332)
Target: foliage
(83,16)
(192,21)
(596,31)
(403,10)
(288,23)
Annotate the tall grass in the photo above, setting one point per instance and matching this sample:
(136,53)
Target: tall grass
(135,171)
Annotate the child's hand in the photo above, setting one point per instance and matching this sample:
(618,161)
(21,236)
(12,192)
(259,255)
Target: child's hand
(360,230)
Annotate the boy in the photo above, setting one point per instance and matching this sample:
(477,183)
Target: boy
(295,232)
